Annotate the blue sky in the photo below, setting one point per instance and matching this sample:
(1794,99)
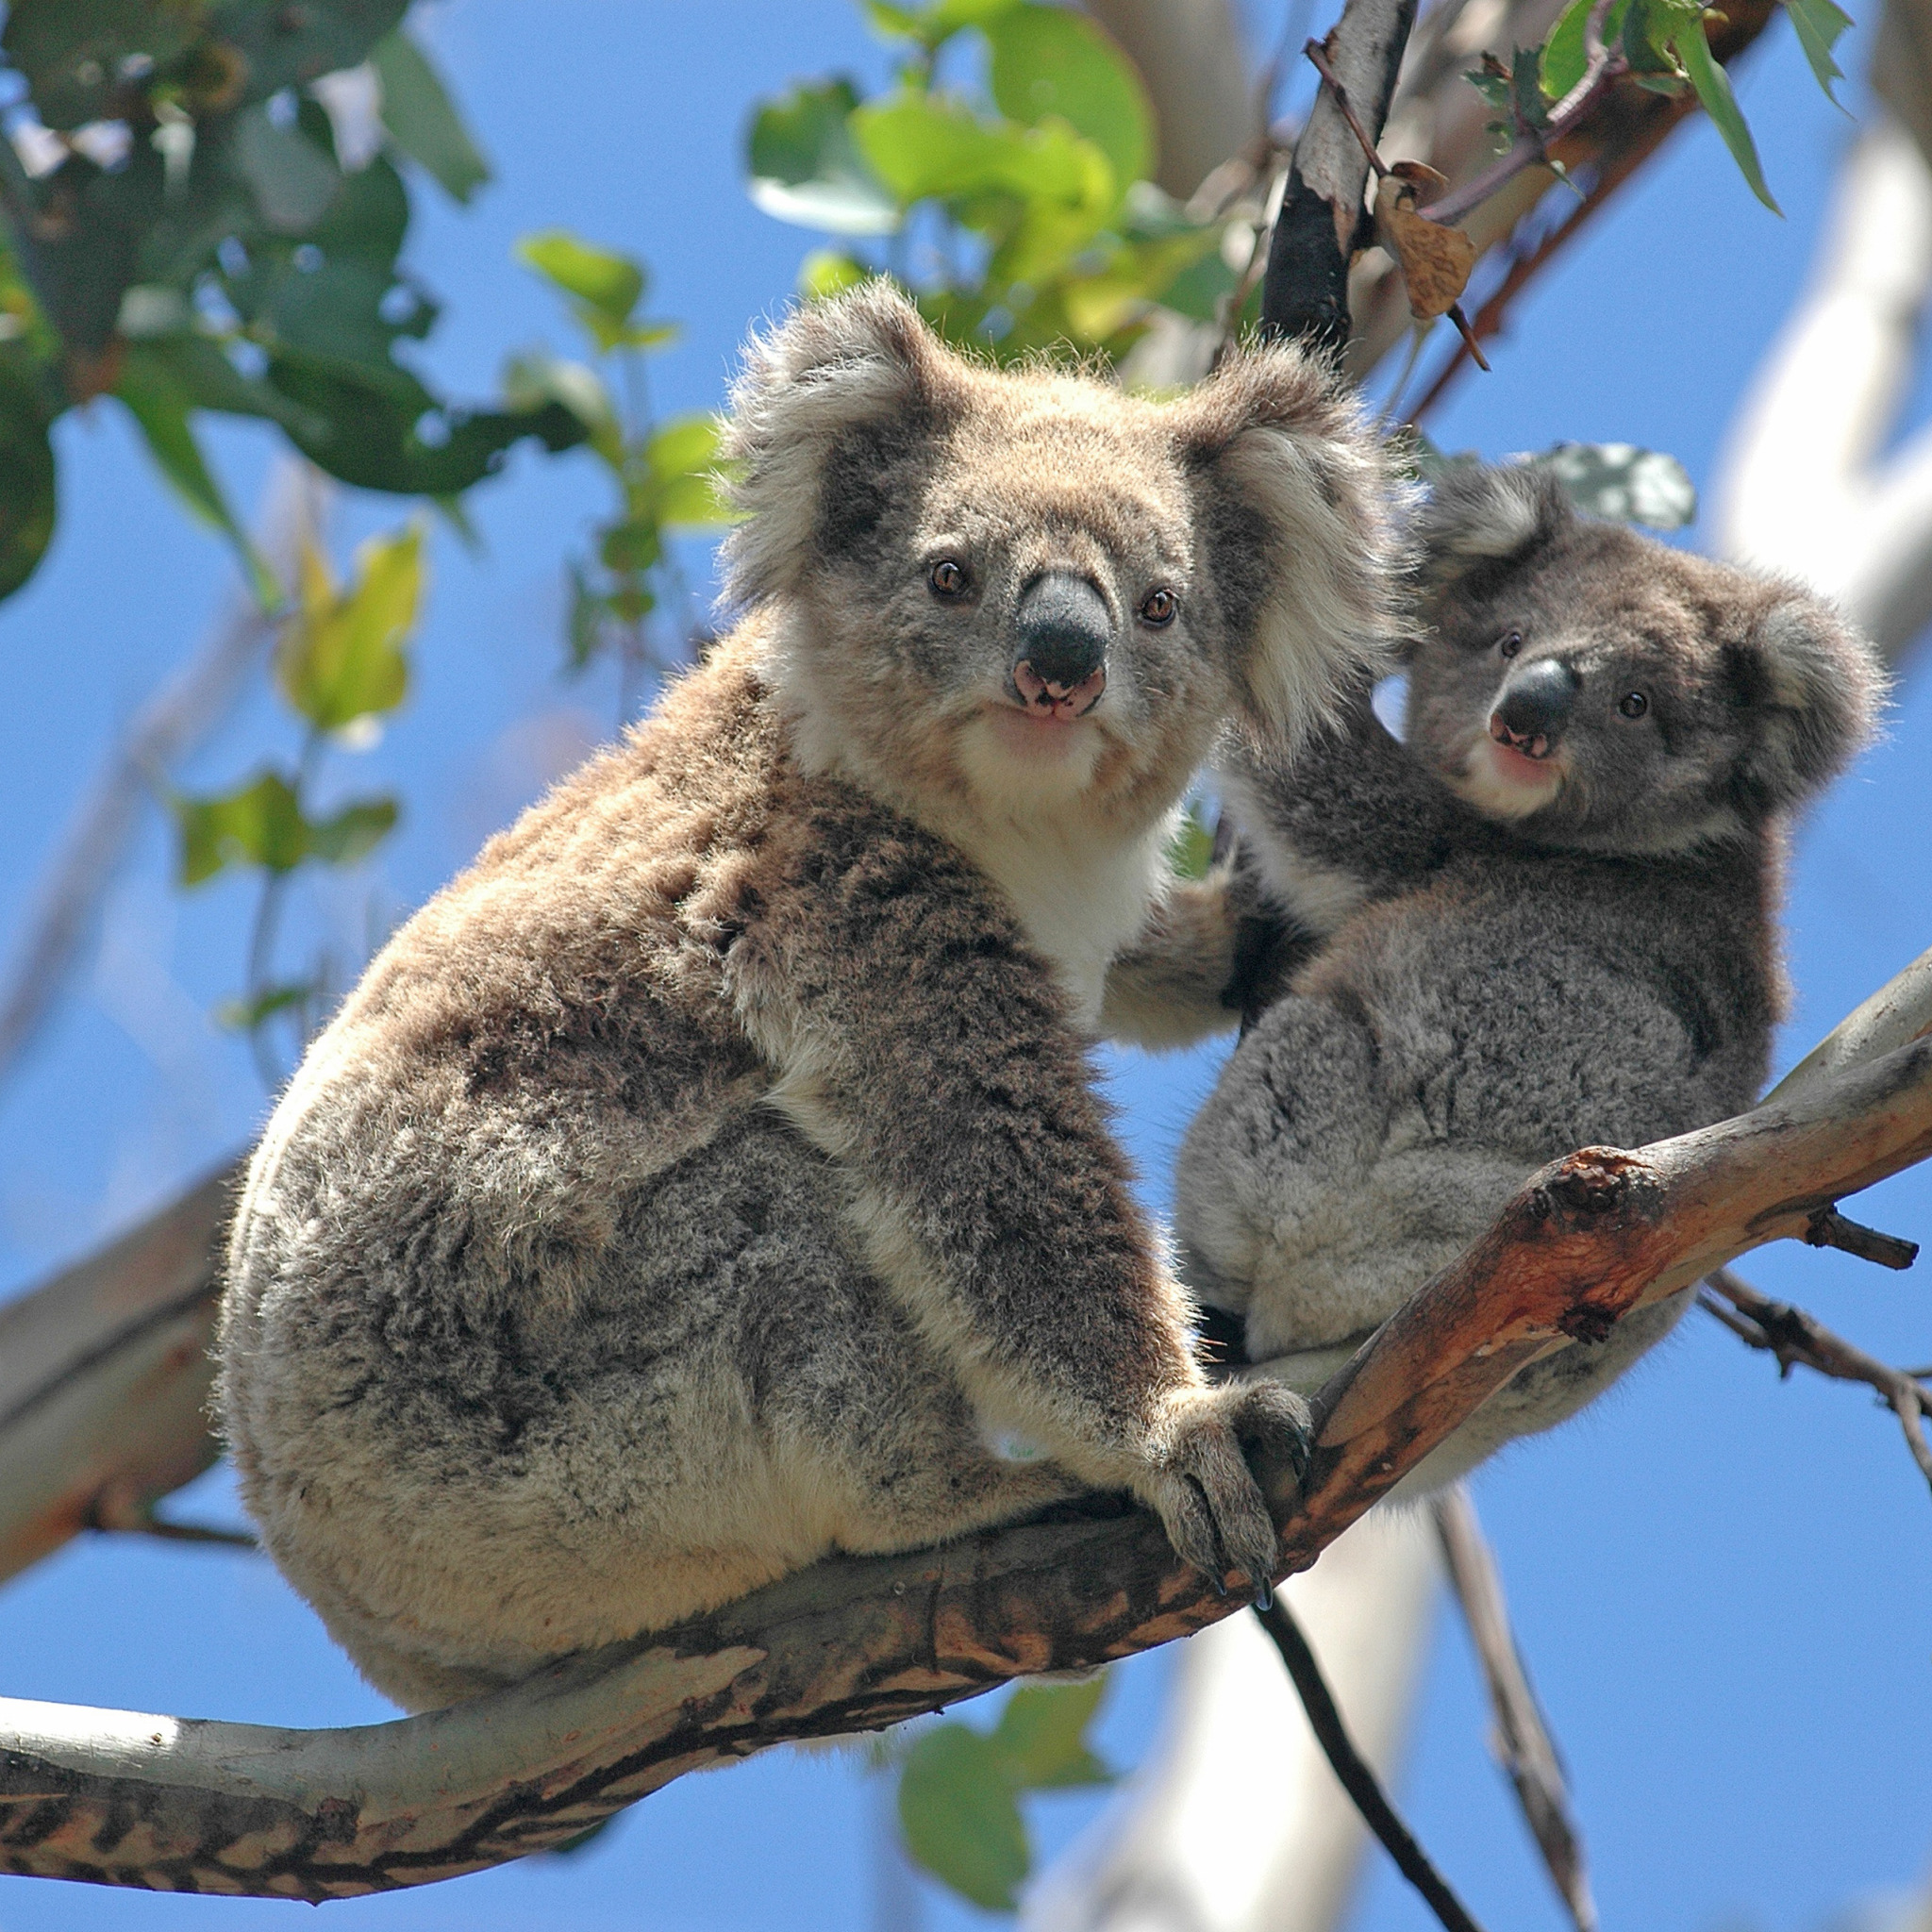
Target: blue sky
(1720,1581)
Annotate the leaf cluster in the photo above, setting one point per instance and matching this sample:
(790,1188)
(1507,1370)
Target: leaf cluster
(183,232)
(340,663)
(959,1789)
(664,473)
(1660,44)
(1029,193)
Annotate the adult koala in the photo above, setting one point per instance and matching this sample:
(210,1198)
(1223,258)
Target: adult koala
(691,1188)
(1544,922)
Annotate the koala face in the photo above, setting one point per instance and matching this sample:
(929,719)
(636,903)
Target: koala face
(1027,588)
(1602,691)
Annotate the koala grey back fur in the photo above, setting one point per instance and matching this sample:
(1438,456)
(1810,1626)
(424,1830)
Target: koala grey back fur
(694,1186)
(1546,921)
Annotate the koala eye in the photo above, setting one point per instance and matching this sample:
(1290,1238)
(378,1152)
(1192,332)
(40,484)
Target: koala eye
(1633,704)
(1510,643)
(947,579)
(1158,607)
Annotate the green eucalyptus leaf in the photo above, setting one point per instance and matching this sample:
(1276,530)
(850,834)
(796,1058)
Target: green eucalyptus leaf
(1564,60)
(1042,1735)
(959,1819)
(682,445)
(931,25)
(533,380)
(1050,60)
(607,284)
(281,45)
(1713,87)
(382,430)
(583,630)
(827,272)
(291,179)
(1626,483)
(244,1016)
(1191,854)
(160,406)
(354,832)
(1818,24)
(631,545)
(423,120)
(1045,192)
(28,500)
(806,168)
(340,657)
(259,825)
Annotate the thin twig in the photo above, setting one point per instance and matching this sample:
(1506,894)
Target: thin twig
(1601,70)
(1320,61)
(1831,1229)
(1358,1779)
(1796,1338)
(1520,1738)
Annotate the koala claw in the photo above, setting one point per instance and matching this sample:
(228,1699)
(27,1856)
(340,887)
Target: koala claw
(1207,1497)
(1264,1595)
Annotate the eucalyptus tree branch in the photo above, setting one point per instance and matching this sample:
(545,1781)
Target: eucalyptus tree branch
(105,1378)
(1356,1779)
(1795,1339)
(122,1799)
(1304,290)
(1520,1738)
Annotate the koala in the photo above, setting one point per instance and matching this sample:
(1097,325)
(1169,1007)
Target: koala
(707,1179)
(1545,921)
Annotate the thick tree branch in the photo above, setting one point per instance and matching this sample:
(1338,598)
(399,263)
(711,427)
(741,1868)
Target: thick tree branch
(1520,1738)
(104,1377)
(1304,291)
(120,1799)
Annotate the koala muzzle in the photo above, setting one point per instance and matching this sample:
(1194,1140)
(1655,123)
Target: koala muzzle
(1063,628)
(1535,706)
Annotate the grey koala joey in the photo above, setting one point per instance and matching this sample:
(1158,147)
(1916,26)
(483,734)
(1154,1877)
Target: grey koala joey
(1546,920)
(706,1179)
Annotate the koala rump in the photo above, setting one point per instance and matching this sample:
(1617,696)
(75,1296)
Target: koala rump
(663,1211)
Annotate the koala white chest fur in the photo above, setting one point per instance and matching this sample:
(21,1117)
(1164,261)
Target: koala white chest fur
(691,1189)
(1546,922)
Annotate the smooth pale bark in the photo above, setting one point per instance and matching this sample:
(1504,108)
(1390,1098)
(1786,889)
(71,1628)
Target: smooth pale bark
(1806,485)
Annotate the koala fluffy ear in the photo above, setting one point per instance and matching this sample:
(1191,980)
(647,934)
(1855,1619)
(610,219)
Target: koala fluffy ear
(1481,514)
(855,376)
(1297,505)
(1814,687)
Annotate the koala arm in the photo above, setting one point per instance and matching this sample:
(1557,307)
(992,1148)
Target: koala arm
(921,1045)
(1347,816)
(1214,951)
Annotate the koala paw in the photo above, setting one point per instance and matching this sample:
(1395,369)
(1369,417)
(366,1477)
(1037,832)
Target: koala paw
(1201,1487)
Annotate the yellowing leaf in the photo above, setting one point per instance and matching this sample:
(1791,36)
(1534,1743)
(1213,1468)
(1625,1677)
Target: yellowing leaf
(342,656)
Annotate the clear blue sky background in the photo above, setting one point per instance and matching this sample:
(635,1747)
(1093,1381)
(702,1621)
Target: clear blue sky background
(1722,1583)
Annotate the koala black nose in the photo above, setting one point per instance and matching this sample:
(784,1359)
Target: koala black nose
(1536,705)
(1063,628)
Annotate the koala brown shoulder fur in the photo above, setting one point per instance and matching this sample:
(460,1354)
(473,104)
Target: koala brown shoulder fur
(1546,921)
(701,1182)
